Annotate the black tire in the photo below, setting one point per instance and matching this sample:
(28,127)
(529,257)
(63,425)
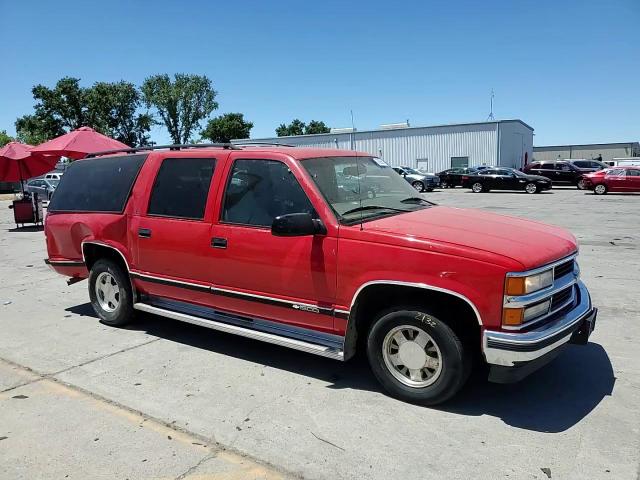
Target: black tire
(531,188)
(581,185)
(455,358)
(418,185)
(123,313)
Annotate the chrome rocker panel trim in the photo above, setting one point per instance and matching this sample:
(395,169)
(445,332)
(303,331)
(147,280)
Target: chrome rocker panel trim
(317,349)
(510,349)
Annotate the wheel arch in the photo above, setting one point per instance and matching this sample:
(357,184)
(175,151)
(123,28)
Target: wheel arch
(94,250)
(375,296)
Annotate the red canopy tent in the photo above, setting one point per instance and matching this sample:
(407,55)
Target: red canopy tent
(78,144)
(18,162)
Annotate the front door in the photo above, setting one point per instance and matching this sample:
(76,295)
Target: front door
(287,279)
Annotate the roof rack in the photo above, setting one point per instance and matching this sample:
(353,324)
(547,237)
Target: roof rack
(276,144)
(228,146)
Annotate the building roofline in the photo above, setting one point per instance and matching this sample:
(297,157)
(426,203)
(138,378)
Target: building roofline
(556,147)
(516,120)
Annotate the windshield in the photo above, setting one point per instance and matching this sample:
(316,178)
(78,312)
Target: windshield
(362,187)
(411,171)
(52,182)
(518,173)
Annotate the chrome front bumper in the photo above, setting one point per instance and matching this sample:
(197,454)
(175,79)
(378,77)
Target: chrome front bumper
(510,349)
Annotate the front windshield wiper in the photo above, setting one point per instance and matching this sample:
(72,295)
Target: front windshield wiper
(373,207)
(416,200)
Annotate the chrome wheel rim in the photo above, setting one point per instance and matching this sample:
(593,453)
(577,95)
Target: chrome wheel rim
(418,186)
(531,188)
(477,187)
(412,356)
(107,292)
(599,189)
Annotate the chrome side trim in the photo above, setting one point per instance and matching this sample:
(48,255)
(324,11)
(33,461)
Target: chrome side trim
(245,332)
(508,349)
(424,286)
(300,306)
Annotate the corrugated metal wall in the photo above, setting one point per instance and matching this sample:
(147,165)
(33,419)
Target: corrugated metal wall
(433,146)
(608,152)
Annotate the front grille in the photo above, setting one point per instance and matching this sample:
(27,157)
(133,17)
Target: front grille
(561,298)
(563,269)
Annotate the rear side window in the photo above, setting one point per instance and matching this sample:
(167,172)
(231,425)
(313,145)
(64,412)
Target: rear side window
(181,188)
(97,184)
(583,164)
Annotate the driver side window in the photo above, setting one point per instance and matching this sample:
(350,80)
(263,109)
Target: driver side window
(259,191)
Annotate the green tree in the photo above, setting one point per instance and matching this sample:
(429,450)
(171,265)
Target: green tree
(315,126)
(296,127)
(5,138)
(227,127)
(181,104)
(110,108)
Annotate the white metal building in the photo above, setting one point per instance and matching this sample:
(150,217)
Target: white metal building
(608,151)
(506,143)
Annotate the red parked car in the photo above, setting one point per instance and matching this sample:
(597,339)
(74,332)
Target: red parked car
(266,242)
(616,179)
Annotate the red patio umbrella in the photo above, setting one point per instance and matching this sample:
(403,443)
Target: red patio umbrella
(78,144)
(18,162)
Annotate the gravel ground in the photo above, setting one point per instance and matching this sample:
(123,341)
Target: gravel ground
(163,399)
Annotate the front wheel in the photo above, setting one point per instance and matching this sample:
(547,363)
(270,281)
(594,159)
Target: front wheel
(531,188)
(477,187)
(600,189)
(416,357)
(110,293)
(419,186)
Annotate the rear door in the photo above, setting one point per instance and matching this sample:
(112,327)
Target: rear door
(286,279)
(633,178)
(172,230)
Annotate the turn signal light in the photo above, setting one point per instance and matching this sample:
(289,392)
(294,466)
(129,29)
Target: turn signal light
(515,286)
(512,317)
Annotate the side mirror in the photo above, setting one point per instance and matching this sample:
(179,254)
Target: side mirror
(404,174)
(296,225)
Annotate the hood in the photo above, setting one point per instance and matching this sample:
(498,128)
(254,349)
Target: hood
(530,243)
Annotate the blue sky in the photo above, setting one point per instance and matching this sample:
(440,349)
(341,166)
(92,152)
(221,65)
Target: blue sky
(571,69)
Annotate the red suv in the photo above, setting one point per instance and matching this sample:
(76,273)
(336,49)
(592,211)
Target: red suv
(266,242)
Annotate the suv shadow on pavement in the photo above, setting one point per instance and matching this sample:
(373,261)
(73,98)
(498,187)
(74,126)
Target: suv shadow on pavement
(551,400)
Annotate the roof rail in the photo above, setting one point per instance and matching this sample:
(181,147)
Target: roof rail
(229,146)
(276,144)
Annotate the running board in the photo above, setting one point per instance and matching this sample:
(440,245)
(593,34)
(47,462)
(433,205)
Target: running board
(322,350)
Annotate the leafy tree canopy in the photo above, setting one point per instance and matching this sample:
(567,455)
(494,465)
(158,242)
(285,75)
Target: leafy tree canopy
(182,103)
(110,108)
(227,127)
(298,127)
(5,138)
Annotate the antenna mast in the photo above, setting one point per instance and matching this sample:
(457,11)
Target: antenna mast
(491,117)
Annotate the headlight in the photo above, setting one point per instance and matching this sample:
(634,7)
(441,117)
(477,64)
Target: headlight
(529,284)
(513,317)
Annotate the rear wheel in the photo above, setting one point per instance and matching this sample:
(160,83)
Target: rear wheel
(416,357)
(581,185)
(110,293)
(531,188)
(600,189)
(477,187)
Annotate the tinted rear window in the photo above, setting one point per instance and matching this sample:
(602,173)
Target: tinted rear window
(97,185)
